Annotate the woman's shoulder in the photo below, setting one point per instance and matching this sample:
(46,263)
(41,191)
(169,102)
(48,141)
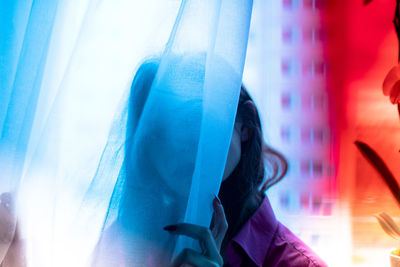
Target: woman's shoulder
(264,241)
(288,250)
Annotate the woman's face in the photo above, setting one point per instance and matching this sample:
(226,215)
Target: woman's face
(234,151)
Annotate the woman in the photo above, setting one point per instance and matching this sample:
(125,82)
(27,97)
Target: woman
(253,235)
(249,234)
(244,231)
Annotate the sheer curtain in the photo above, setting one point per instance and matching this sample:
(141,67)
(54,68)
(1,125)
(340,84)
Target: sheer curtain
(66,74)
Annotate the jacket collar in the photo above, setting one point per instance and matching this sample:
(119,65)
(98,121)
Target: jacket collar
(256,235)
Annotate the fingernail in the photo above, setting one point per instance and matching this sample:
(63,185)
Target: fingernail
(217,199)
(170,228)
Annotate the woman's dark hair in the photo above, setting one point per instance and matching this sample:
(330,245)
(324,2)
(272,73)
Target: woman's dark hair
(243,191)
(254,151)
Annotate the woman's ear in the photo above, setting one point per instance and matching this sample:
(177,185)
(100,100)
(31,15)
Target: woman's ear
(245,131)
(244,134)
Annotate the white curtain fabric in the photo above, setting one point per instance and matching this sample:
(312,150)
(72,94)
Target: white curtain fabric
(92,156)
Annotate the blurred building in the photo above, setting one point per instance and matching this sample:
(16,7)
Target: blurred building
(287,72)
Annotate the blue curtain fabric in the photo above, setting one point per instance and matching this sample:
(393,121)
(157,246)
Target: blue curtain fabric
(25,28)
(116,119)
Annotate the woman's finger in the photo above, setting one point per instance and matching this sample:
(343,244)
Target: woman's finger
(220,225)
(7,224)
(193,258)
(7,219)
(200,233)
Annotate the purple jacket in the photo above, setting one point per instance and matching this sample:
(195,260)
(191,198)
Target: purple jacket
(264,241)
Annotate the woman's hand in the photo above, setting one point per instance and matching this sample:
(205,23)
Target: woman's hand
(7,224)
(210,240)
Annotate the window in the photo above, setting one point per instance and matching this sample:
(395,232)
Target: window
(312,168)
(314,4)
(313,68)
(286,134)
(313,101)
(291,35)
(316,205)
(313,35)
(286,101)
(313,135)
(289,67)
(305,201)
(317,168)
(290,4)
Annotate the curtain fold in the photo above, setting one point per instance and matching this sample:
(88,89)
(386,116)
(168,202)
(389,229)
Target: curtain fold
(23,74)
(88,153)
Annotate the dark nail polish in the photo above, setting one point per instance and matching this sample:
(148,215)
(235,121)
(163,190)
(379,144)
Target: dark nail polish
(170,228)
(217,199)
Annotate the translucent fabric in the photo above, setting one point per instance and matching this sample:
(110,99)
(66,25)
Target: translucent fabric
(23,57)
(101,163)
